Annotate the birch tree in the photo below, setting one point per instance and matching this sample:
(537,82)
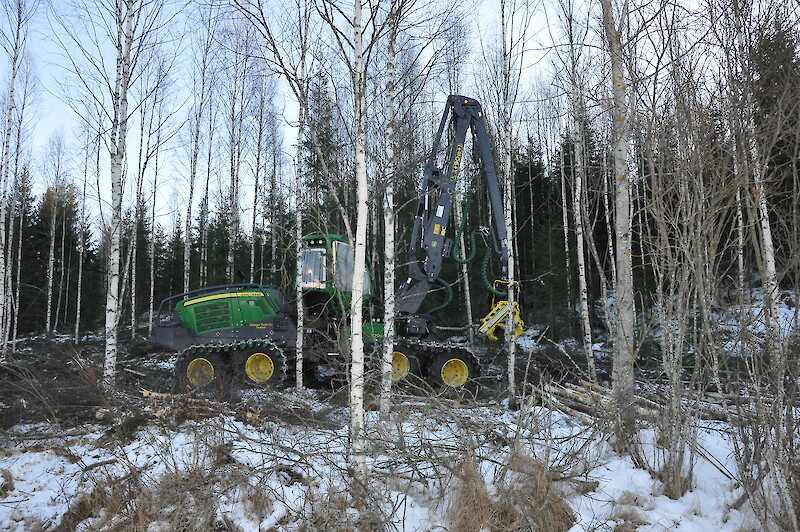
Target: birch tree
(125,15)
(91,124)
(624,349)
(761,95)
(400,13)
(131,26)
(14,41)
(388,213)
(56,167)
(287,41)
(163,131)
(236,64)
(27,83)
(515,21)
(22,200)
(358,75)
(576,33)
(688,202)
(203,45)
(356,39)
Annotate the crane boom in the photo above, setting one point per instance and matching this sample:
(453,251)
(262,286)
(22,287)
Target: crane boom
(430,244)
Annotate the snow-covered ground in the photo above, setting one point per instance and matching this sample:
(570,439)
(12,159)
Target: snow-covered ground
(244,473)
(279,461)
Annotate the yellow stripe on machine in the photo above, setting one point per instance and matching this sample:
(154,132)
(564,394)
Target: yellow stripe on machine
(222,296)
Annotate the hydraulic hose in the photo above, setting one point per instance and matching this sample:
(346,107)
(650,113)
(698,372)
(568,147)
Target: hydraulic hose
(473,252)
(485,275)
(472,246)
(448,296)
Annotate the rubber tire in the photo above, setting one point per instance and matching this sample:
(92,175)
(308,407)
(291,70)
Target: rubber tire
(434,372)
(221,375)
(239,364)
(413,370)
(375,366)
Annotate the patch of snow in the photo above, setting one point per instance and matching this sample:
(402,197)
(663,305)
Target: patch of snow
(298,470)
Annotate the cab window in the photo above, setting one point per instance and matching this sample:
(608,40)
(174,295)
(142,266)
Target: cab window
(345,267)
(313,272)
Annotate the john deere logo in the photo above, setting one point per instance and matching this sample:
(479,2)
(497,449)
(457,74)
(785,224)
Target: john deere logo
(457,161)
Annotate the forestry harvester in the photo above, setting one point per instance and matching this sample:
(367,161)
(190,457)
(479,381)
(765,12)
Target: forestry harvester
(248,331)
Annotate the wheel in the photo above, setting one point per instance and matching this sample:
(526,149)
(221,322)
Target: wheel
(201,370)
(453,369)
(260,366)
(403,366)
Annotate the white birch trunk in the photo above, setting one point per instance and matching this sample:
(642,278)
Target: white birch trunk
(16,57)
(204,215)
(508,202)
(187,228)
(119,129)
(579,169)
(13,270)
(236,147)
(275,212)
(465,274)
(81,253)
(300,92)
(508,198)
(388,222)
(565,227)
(51,259)
(152,244)
(357,428)
(195,154)
(17,276)
(624,354)
(134,241)
(64,268)
(257,175)
(579,176)
(770,276)
(298,220)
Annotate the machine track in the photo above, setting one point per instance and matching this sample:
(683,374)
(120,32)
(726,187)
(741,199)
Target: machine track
(439,362)
(251,362)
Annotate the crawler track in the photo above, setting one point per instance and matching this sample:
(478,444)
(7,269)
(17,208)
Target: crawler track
(231,358)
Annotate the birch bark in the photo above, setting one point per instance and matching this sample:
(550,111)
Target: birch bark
(389,218)
(19,14)
(56,149)
(357,429)
(298,222)
(579,176)
(291,59)
(515,20)
(202,96)
(119,129)
(624,354)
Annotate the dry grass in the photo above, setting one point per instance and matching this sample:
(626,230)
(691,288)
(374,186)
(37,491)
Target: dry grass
(473,509)
(525,499)
(336,512)
(6,482)
(181,502)
(628,518)
(189,496)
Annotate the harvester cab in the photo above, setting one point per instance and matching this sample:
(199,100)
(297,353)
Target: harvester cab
(326,276)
